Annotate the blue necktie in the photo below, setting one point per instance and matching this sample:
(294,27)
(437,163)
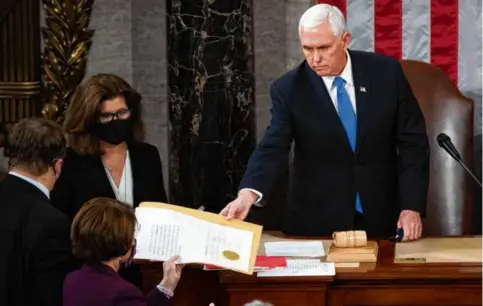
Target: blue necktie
(349,121)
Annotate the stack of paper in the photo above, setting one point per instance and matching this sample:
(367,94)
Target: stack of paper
(298,264)
(262,263)
(294,248)
(302,267)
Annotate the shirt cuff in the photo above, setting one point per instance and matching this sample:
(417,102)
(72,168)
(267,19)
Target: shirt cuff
(168,293)
(260,196)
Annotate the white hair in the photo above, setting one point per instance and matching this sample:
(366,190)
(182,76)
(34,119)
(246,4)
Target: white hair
(320,13)
(258,303)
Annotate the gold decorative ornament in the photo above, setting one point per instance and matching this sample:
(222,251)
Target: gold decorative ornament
(231,255)
(67,41)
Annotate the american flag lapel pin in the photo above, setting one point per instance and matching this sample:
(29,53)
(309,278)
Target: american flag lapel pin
(362,89)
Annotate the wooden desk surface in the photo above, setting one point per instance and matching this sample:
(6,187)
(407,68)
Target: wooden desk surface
(385,267)
(383,283)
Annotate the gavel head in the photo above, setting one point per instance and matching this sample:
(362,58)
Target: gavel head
(350,239)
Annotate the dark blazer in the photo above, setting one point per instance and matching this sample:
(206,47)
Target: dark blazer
(389,169)
(36,254)
(102,286)
(84,178)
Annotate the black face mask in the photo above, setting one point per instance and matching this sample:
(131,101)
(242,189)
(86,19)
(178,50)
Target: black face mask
(115,132)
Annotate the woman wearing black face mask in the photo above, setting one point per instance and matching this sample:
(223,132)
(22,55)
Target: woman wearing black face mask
(107,156)
(102,236)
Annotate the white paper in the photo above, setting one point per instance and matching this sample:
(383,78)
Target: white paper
(299,264)
(163,233)
(302,267)
(295,248)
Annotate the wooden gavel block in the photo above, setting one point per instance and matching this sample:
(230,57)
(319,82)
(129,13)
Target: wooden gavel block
(352,246)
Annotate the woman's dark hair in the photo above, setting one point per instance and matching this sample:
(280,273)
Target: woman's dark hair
(103,229)
(83,111)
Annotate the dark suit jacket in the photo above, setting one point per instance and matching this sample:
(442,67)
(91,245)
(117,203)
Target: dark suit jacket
(84,178)
(102,286)
(389,169)
(36,253)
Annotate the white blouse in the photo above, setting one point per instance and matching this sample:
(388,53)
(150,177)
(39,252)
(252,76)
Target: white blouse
(124,193)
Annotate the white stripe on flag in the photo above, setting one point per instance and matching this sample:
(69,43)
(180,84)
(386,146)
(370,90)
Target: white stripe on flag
(360,23)
(416,25)
(469,53)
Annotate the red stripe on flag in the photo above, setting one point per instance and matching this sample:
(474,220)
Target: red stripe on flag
(388,27)
(444,36)
(340,4)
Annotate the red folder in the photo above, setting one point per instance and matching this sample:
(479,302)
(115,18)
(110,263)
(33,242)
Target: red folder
(261,263)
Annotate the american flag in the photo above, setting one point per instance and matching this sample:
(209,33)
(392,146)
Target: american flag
(445,33)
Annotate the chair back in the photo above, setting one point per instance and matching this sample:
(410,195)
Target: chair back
(446,110)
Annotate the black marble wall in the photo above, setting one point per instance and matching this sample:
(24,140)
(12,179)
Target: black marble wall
(211,99)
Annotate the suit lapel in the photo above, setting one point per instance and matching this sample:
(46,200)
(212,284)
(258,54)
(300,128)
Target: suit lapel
(326,104)
(362,88)
(136,171)
(102,179)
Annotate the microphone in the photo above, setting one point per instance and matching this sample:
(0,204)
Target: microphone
(445,142)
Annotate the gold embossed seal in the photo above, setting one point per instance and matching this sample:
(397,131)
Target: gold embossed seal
(231,255)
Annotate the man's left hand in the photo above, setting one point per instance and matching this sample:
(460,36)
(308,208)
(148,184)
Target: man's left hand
(410,222)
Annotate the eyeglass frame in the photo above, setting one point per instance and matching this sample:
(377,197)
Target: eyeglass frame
(115,115)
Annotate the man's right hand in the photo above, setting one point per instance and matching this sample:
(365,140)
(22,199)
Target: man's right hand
(239,208)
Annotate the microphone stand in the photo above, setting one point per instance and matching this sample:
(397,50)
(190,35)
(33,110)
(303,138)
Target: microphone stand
(469,171)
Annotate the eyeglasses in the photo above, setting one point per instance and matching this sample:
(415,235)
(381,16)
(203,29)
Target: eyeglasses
(121,114)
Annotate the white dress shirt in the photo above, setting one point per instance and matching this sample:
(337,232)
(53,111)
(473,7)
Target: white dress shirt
(349,85)
(123,193)
(332,90)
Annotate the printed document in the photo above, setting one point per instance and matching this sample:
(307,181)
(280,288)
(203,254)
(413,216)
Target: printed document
(302,267)
(163,233)
(295,248)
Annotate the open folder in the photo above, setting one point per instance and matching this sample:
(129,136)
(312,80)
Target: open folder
(196,236)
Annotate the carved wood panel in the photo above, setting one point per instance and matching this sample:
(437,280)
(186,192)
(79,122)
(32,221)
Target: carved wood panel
(20,63)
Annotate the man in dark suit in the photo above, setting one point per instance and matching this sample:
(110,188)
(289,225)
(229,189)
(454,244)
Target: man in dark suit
(36,253)
(361,156)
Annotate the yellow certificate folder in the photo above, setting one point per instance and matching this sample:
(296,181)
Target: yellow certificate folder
(196,236)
